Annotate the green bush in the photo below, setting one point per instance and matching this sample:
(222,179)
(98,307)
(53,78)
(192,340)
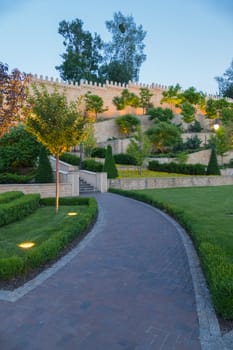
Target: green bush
(98,152)
(52,247)
(70,158)
(109,164)
(18,208)
(44,172)
(10,196)
(188,169)
(124,158)
(92,165)
(9,178)
(219,272)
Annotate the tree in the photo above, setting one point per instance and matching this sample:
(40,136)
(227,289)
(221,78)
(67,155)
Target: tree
(126,46)
(109,164)
(114,71)
(140,148)
(19,150)
(145,97)
(188,112)
(164,135)
(213,168)
(225,83)
(159,114)
(221,141)
(127,124)
(94,104)
(44,172)
(13,95)
(172,96)
(57,124)
(83,54)
(126,99)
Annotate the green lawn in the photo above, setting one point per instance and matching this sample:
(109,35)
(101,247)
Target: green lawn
(36,228)
(209,211)
(145,173)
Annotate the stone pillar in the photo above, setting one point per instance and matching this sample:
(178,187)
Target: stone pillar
(73,179)
(102,182)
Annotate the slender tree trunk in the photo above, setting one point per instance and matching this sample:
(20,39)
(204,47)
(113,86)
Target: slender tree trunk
(57,183)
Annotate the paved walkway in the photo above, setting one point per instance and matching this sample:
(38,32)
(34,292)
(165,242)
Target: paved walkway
(127,286)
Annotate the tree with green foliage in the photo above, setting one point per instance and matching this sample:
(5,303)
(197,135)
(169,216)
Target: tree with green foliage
(159,114)
(57,124)
(127,124)
(13,95)
(172,96)
(145,99)
(221,141)
(188,112)
(140,148)
(109,164)
(164,136)
(83,54)
(44,171)
(225,83)
(19,150)
(94,104)
(213,168)
(126,46)
(126,99)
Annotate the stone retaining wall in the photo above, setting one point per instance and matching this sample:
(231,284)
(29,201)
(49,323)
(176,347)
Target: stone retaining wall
(168,182)
(45,190)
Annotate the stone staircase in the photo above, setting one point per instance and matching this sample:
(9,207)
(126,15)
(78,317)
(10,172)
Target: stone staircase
(85,187)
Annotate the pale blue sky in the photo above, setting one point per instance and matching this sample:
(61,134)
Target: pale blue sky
(188,41)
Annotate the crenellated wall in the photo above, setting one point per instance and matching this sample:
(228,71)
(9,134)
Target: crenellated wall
(107,91)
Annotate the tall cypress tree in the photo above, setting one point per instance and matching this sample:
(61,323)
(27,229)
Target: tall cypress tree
(213,168)
(109,164)
(44,173)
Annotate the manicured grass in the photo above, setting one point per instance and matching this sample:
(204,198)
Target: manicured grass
(37,228)
(207,214)
(145,173)
(49,232)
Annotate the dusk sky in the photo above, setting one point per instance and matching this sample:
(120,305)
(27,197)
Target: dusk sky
(188,41)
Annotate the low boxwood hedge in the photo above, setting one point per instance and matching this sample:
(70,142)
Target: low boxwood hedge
(217,268)
(18,208)
(6,197)
(51,248)
(9,178)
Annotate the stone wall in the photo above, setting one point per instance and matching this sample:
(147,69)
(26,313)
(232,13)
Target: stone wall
(186,181)
(45,190)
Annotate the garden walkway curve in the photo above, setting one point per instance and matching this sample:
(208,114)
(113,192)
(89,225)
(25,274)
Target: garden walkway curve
(126,286)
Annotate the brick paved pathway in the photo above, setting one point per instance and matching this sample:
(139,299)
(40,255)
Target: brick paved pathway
(128,288)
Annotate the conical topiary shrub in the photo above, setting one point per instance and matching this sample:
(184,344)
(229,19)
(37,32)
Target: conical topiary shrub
(109,164)
(44,172)
(213,168)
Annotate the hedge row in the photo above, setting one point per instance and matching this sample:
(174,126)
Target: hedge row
(7,197)
(70,158)
(18,208)
(190,169)
(217,268)
(50,249)
(8,178)
(124,158)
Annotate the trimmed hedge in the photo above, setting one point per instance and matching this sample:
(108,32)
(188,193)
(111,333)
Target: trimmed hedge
(8,178)
(50,249)
(217,268)
(189,169)
(92,165)
(7,197)
(70,158)
(18,208)
(124,158)
(98,152)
